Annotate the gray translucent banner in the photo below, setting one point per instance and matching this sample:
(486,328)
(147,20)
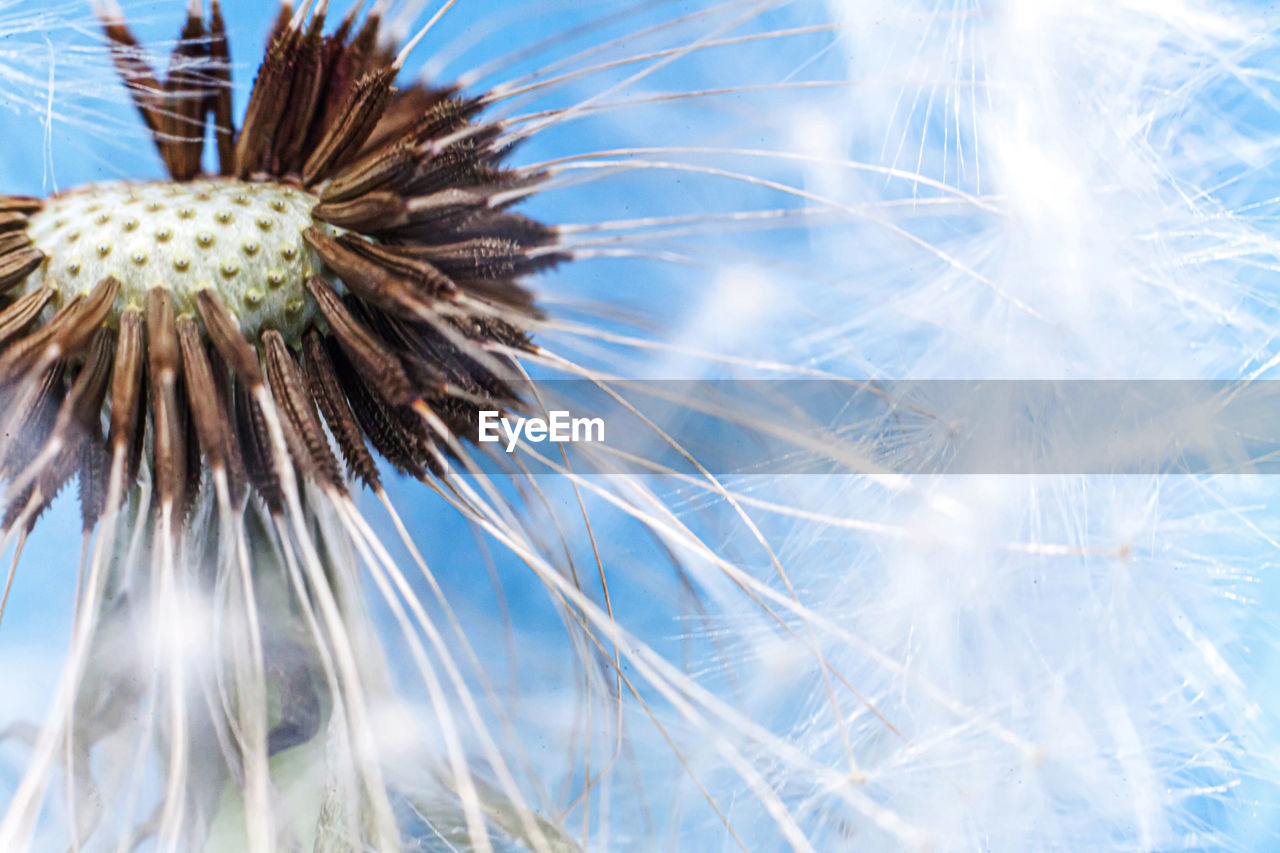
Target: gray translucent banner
(894,427)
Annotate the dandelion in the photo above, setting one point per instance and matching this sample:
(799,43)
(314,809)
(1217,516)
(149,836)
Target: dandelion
(188,348)
(313,612)
(188,302)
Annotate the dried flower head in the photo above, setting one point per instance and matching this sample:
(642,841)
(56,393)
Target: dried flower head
(355,259)
(352,270)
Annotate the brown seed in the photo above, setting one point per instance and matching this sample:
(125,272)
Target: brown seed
(432,283)
(255,449)
(370,280)
(203,396)
(376,211)
(83,407)
(182,121)
(307,442)
(128,404)
(224,332)
(66,334)
(79,421)
(27,423)
(342,140)
(92,487)
(129,58)
(11,241)
(11,220)
(168,431)
(323,382)
(420,114)
(266,103)
(223,382)
(218,101)
(19,204)
(77,424)
(370,356)
(387,433)
(305,89)
(371,172)
(19,314)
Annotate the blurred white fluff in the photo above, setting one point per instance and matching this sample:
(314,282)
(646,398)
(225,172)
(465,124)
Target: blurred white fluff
(1106,641)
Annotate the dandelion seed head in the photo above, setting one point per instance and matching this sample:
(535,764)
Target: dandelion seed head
(256,272)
